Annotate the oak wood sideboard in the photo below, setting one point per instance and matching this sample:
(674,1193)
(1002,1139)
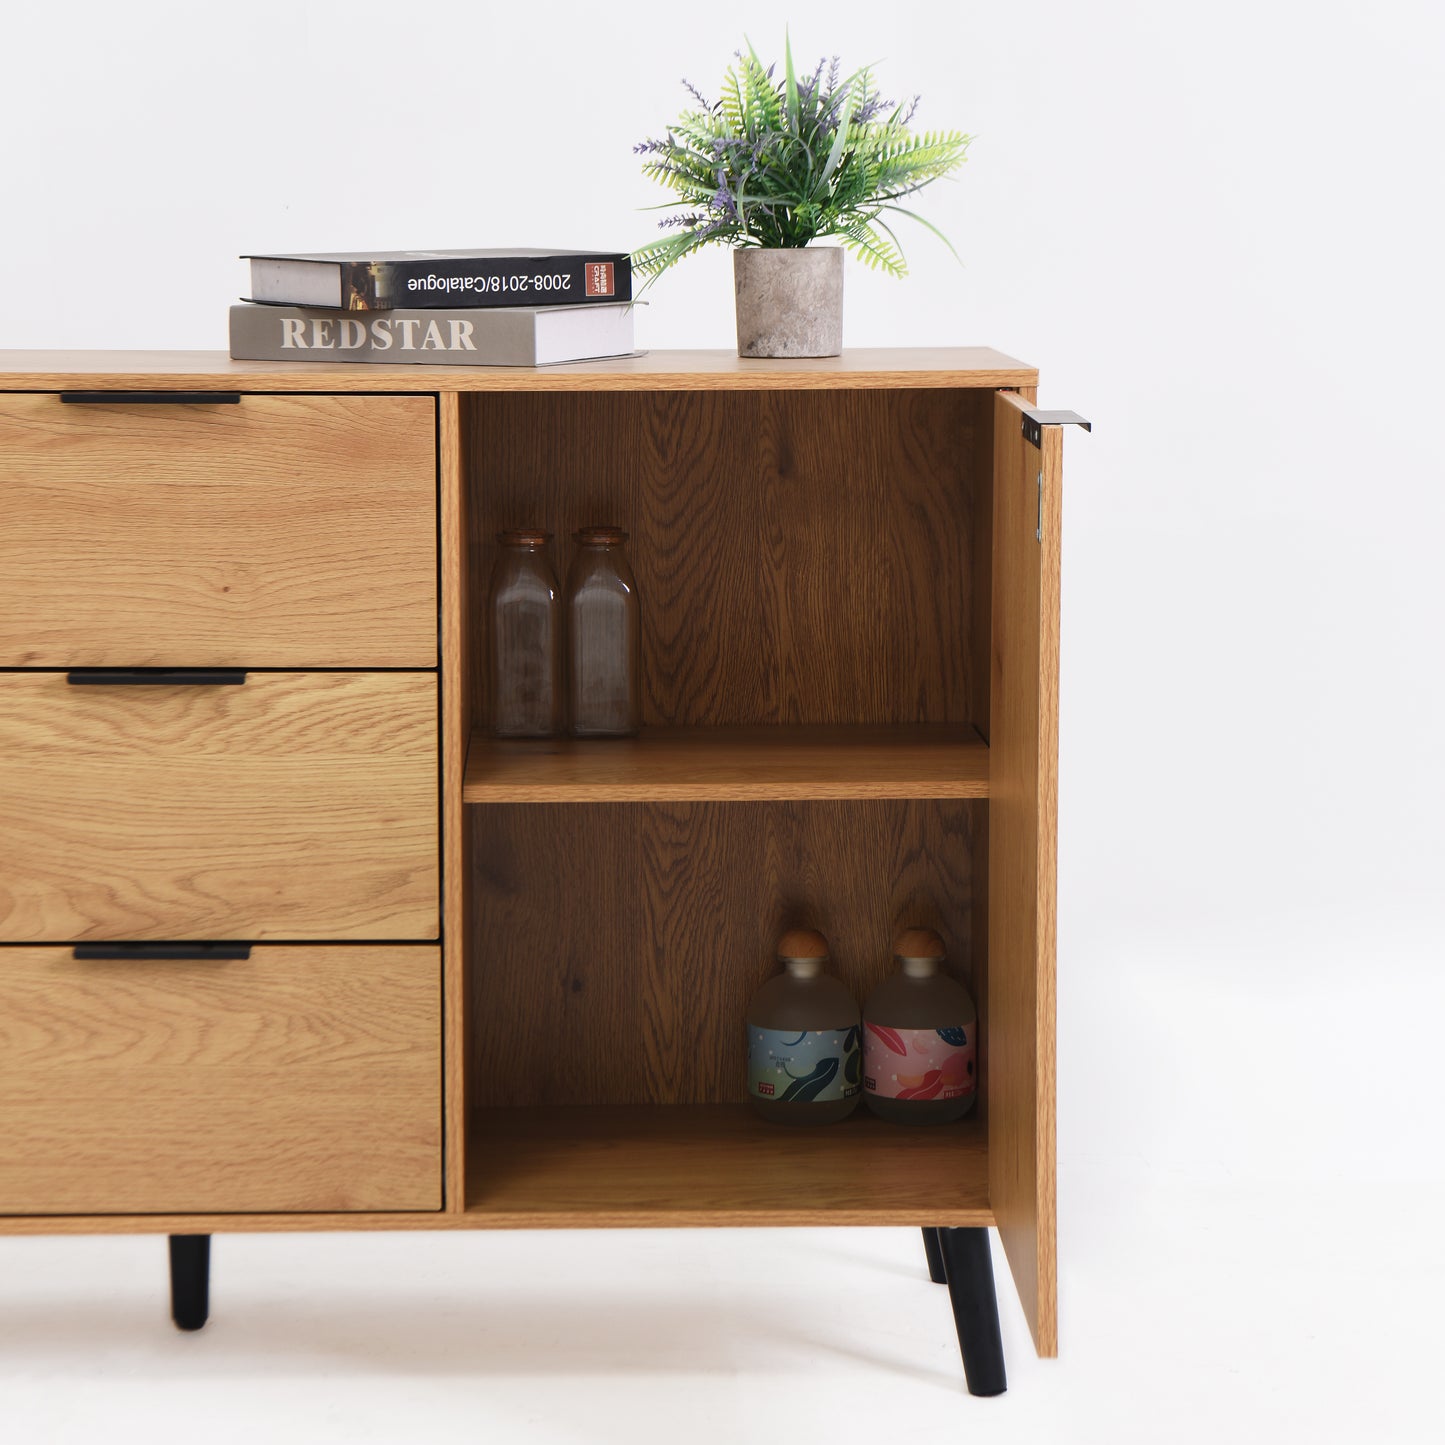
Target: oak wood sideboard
(287,942)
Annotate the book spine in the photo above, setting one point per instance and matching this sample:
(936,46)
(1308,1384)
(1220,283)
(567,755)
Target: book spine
(429,338)
(486,281)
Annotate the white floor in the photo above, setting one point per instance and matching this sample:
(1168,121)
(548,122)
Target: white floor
(1251,1190)
(1186,1317)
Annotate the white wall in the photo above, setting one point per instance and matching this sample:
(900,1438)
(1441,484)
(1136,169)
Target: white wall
(1217,230)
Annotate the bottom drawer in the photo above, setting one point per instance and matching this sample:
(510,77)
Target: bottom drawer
(300,1078)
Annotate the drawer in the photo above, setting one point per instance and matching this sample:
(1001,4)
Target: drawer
(296,1079)
(294,806)
(284,531)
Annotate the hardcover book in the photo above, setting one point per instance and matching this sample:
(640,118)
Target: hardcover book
(502,336)
(387,280)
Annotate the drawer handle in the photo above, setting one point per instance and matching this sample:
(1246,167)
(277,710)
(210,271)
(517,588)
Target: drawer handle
(217,952)
(154,398)
(156,677)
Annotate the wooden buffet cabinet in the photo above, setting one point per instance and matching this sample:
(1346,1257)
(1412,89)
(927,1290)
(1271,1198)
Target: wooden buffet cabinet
(287,943)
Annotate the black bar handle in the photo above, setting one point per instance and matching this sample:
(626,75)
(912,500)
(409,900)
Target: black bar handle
(153,398)
(156,676)
(205,952)
(1036,419)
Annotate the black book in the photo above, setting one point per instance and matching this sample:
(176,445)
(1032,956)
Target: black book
(387,280)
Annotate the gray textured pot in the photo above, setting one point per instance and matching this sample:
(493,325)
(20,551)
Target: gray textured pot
(789,300)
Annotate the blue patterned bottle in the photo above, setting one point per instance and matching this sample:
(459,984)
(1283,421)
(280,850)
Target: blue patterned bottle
(804,1038)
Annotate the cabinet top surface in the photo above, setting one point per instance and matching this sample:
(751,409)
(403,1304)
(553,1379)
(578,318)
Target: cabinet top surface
(972,366)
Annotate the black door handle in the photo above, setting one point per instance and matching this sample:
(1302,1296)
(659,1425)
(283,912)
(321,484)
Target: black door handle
(217,952)
(156,676)
(155,398)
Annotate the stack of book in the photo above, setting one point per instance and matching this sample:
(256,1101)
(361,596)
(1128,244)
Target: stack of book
(452,308)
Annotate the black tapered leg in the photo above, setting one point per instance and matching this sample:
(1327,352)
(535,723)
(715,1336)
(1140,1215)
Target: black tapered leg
(934,1250)
(969,1267)
(190,1280)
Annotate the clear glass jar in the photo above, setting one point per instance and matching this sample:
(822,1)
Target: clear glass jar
(524,639)
(604,637)
(804,1060)
(920,1038)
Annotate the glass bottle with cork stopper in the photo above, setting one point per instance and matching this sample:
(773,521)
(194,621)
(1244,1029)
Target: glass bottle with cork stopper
(920,1044)
(804,1060)
(604,637)
(524,638)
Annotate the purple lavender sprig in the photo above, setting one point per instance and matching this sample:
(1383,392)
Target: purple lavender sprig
(785,162)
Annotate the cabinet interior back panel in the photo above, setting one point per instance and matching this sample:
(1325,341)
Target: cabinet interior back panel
(800,556)
(615,946)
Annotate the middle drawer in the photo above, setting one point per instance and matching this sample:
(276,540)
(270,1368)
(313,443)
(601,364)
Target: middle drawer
(295,806)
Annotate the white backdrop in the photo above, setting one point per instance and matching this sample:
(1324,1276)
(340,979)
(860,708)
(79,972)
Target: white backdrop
(1217,231)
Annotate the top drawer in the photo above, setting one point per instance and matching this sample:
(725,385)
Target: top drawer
(286,531)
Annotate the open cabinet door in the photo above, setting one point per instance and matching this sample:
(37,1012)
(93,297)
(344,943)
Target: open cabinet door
(1022,854)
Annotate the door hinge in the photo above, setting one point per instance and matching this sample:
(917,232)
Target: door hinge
(1039,519)
(1035,421)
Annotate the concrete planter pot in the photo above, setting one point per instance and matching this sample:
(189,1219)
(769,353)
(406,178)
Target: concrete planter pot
(789,300)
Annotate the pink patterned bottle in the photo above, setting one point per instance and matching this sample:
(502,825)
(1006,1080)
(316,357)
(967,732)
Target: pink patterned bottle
(920,1038)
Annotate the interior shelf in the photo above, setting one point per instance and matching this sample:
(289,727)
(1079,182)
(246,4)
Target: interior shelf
(929,760)
(655,1166)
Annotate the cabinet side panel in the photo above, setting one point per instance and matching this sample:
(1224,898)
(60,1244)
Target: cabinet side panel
(1022,854)
(978,582)
(456,835)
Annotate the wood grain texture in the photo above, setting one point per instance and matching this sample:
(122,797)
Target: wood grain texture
(1022,846)
(615,946)
(287,531)
(979,581)
(800,557)
(456,732)
(300,805)
(819,543)
(250,1222)
(298,1079)
(721,1166)
(953,366)
(920,760)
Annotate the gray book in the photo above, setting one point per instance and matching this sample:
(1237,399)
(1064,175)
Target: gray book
(497,336)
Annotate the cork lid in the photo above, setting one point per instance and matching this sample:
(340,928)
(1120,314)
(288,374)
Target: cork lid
(802,943)
(600,537)
(523,537)
(919,943)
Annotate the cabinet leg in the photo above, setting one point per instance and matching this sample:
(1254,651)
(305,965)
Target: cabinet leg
(934,1250)
(190,1280)
(969,1268)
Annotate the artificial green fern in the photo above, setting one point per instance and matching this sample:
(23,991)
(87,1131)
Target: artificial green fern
(783,163)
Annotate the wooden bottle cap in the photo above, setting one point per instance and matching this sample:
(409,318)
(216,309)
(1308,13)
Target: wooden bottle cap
(919,943)
(523,537)
(600,537)
(802,943)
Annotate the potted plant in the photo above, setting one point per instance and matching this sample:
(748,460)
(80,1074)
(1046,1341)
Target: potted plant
(774,167)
